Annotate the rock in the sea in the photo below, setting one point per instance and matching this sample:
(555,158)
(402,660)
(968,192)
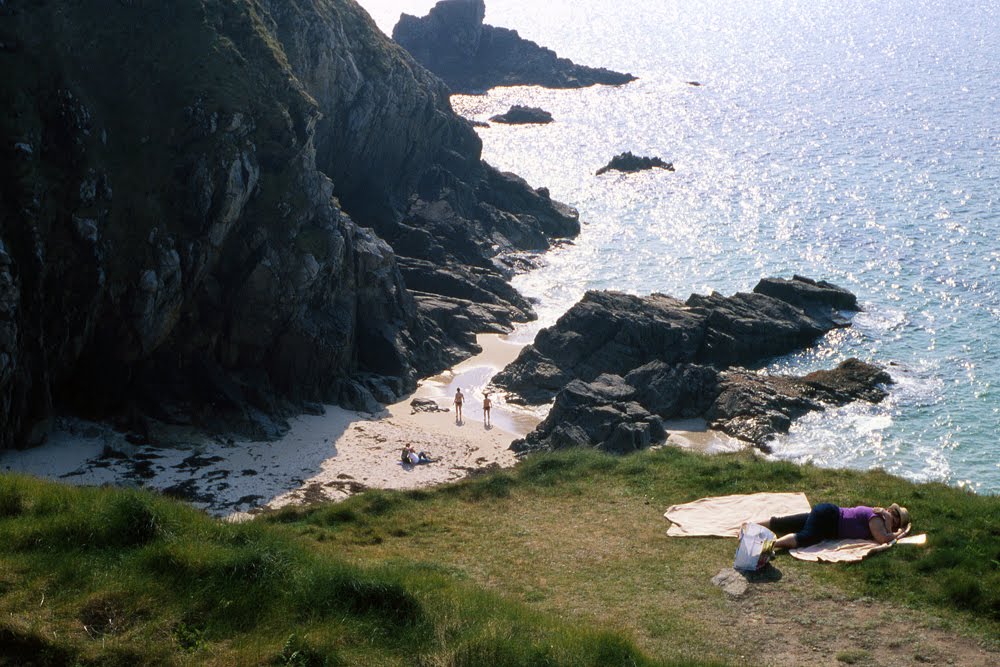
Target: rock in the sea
(629,163)
(819,299)
(521,115)
(471,57)
(619,364)
(611,332)
(756,407)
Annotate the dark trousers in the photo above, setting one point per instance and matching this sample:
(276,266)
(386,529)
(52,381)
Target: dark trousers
(817,525)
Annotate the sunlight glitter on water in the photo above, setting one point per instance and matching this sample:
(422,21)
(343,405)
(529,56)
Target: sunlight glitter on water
(851,143)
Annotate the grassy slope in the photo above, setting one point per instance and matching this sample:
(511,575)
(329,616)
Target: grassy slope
(562,561)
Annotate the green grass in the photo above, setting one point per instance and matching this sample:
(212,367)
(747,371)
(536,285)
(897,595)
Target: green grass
(560,561)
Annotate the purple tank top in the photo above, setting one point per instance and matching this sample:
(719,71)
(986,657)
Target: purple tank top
(854,522)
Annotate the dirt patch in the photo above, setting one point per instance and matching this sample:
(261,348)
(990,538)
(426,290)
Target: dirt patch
(793,622)
(110,614)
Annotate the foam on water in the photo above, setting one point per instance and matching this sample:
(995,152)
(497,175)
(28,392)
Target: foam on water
(856,143)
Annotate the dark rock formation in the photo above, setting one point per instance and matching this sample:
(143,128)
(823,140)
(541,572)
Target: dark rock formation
(519,115)
(755,407)
(202,208)
(628,163)
(623,414)
(611,332)
(603,413)
(618,364)
(471,57)
(606,332)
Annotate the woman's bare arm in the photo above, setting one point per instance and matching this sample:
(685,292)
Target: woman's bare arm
(880,534)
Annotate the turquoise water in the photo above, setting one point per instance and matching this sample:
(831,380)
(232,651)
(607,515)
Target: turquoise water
(851,142)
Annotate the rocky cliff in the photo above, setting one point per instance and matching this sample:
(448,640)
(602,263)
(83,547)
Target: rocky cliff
(471,57)
(218,210)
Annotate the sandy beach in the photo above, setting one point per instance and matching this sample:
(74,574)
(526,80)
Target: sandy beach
(322,457)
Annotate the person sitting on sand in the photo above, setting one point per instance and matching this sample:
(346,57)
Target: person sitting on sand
(827,521)
(487,404)
(459,400)
(411,456)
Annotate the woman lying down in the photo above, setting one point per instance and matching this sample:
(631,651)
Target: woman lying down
(827,521)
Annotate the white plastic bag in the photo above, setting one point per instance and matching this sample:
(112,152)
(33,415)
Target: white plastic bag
(755,548)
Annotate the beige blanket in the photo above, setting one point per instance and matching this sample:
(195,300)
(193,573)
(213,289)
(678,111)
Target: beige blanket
(849,551)
(722,516)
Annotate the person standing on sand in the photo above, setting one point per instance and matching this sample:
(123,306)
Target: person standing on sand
(487,404)
(459,399)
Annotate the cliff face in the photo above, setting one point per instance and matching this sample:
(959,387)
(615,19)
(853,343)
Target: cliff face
(186,228)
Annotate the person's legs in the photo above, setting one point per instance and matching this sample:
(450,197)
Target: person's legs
(820,525)
(805,529)
(786,527)
(782,525)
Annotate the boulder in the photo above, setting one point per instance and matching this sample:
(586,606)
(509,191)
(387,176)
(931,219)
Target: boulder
(679,391)
(629,163)
(605,332)
(425,405)
(744,328)
(470,57)
(601,414)
(519,115)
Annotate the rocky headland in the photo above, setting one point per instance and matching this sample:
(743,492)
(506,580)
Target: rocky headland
(628,163)
(619,365)
(221,212)
(522,115)
(470,57)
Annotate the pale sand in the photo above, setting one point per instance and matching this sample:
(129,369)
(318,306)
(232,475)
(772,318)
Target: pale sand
(322,457)
(367,452)
(695,435)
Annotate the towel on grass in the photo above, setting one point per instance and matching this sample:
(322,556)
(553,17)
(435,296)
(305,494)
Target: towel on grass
(722,516)
(849,551)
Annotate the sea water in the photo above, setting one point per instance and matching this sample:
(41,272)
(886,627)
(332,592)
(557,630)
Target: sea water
(851,142)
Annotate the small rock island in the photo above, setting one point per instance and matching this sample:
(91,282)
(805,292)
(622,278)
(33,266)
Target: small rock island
(453,43)
(520,115)
(628,163)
